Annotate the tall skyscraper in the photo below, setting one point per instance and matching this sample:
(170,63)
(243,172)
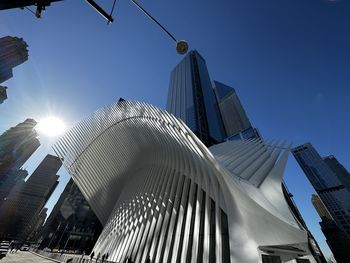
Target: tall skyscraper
(234,118)
(327,183)
(336,239)
(72,225)
(13,52)
(16,146)
(20,209)
(212,110)
(233,114)
(191,98)
(341,172)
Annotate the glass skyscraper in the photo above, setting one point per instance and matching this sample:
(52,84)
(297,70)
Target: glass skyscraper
(339,170)
(234,118)
(13,52)
(233,115)
(212,110)
(191,98)
(327,183)
(17,145)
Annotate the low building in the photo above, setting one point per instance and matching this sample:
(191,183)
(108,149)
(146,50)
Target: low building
(72,225)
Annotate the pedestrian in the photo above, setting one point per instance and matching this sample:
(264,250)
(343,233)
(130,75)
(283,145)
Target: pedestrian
(103,258)
(98,256)
(107,256)
(148,260)
(92,255)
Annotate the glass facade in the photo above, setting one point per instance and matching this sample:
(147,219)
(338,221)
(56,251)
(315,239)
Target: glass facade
(271,259)
(247,134)
(327,184)
(13,52)
(234,117)
(339,170)
(191,98)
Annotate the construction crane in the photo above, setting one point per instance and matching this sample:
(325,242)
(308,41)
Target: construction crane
(40,4)
(181,45)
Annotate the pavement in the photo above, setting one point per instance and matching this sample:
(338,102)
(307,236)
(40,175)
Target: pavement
(25,257)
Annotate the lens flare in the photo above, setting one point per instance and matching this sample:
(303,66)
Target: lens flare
(51,126)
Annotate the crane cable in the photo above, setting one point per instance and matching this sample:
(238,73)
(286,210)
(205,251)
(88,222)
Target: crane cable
(112,10)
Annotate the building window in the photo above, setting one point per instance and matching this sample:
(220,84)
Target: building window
(271,259)
(302,260)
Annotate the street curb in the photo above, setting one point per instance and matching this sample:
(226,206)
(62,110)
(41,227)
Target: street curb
(54,260)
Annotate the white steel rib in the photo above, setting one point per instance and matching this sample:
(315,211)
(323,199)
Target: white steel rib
(160,193)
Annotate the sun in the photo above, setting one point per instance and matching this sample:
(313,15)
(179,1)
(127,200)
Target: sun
(51,126)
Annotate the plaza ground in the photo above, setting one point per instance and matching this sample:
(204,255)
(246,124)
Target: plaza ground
(25,257)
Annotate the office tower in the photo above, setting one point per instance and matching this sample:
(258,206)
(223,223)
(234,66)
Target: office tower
(212,111)
(191,98)
(72,225)
(16,146)
(336,239)
(13,52)
(339,170)
(21,207)
(327,183)
(3,94)
(159,192)
(234,117)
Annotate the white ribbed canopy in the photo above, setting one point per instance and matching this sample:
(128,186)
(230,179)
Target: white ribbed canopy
(145,174)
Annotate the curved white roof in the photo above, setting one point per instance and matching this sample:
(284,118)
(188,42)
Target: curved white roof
(119,144)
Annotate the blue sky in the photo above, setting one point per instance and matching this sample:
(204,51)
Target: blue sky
(289,62)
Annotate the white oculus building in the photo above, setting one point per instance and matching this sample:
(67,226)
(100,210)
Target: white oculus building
(161,193)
